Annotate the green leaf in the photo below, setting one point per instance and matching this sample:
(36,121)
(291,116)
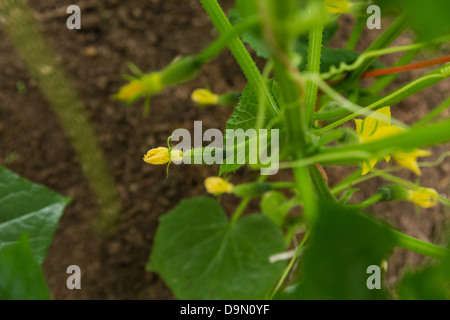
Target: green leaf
(344,243)
(245,8)
(430,283)
(28,208)
(272,206)
(201,256)
(21,277)
(429,18)
(244,117)
(246,112)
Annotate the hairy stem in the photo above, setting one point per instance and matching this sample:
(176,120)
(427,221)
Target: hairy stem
(240,53)
(314,54)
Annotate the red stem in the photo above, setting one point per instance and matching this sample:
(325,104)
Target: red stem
(385,71)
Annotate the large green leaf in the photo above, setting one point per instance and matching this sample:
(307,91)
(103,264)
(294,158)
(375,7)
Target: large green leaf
(427,284)
(21,277)
(430,283)
(201,256)
(344,243)
(28,208)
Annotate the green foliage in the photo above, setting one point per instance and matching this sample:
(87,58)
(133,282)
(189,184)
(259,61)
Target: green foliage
(330,56)
(246,112)
(430,283)
(244,117)
(29,214)
(28,208)
(21,277)
(429,19)
(201,256)
(273,206)
(344,243)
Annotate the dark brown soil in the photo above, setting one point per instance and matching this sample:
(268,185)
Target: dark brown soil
(149,33)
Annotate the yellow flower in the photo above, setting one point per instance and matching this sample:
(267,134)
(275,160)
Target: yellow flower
(217,186)
(161,156)
(147,85)
(424,197)
(204,97)
(409,159)
(371,129)
(338,6)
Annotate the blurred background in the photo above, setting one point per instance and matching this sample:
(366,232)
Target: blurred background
(152,33)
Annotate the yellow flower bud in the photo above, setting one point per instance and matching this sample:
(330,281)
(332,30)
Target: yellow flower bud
(147,85)
(204,97)
(338,6)
(217,186)
(161,156)
(424,197)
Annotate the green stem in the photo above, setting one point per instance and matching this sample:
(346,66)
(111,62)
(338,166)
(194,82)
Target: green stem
(425,248)
(240,209)
(262,103)
(386,38)
(364,57)
(433,114)
(330,136)
(356,33)
(355,178)
(381,102)
(408,185)
(382,82)
(368,202)
(314,55)
(294,113)
(220,44)
(427,81)
(290,265)
(282,185)
(240,53)
(437,133)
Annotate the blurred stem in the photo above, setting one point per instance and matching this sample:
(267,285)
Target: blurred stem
(282,185)
(240,53)
(55,86)
(424,248)
(290,265)
(383,101)
(356,33)
(368,202)
(240,209)
(220,44)
(243,204)
(433,114)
